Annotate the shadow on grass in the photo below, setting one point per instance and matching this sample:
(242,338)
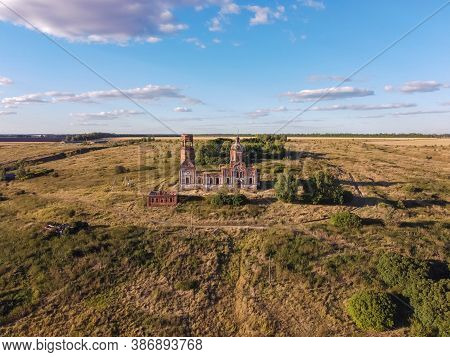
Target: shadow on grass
(369,183)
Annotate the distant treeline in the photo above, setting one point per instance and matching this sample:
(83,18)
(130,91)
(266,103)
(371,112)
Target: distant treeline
(88,137)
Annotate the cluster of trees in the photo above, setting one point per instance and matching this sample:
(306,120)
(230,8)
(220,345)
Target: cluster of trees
(217,151)
(213,152)
(321,188)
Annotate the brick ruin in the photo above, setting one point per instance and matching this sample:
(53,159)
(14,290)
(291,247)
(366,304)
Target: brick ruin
(161,198)
(235,174)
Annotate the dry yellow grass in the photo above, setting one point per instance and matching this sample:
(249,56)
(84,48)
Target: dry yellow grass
(234,297)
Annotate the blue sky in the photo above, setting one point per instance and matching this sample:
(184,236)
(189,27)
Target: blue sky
(222,66)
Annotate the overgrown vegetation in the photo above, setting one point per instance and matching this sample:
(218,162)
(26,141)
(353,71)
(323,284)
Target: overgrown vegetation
(217,151)
(372,310)
(25,173)
(286,187)
(227,199)
(428,298)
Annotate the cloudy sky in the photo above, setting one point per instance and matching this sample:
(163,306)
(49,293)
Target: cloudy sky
(216,66)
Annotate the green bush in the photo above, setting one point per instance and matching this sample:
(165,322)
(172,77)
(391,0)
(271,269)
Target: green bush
(286,187)
(324,188)
(223,199)
(428,298)
(372,310)
(346,220)
(396,270)
(430,301)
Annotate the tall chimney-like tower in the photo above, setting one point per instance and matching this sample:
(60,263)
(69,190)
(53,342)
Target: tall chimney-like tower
(187,153)
(236,152)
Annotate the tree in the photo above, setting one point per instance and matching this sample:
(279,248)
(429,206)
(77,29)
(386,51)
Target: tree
(323,187)
(286,187)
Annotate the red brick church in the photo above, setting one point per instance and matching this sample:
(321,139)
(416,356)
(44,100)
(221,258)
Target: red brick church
(235,174)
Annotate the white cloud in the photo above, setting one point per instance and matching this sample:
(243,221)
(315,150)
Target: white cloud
(215,25)
(196,42)
(314,4)
(230,8)
(216,41)
(259,113)
(421,112)
(365,107)
(104,21)
(182,110)
(416,87)
(5,113)
(153,39)
(148,92)
(5,81)
(319,78)
(265,15)
(172,28)
(421,86)
(24,99)
(115,114)
(327,94)
(446,103)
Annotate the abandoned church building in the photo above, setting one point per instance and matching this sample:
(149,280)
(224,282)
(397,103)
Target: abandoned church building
(235,174)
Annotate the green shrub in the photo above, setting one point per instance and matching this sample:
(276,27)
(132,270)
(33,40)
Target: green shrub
(372,310)
(286,187)
(396,270)
(224,199)
(428,298)
(324,188)
(430,301)
(346,220)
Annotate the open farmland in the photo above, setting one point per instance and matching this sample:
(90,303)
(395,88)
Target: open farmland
(196,269)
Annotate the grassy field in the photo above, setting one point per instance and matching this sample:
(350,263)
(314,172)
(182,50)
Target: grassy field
(196,269)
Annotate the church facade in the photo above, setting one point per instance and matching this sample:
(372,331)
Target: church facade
(236,174)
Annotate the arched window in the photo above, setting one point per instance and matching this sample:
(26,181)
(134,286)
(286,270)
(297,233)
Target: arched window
(217,181)
(187,181)
(210,181)
(228,180)
(250,180)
